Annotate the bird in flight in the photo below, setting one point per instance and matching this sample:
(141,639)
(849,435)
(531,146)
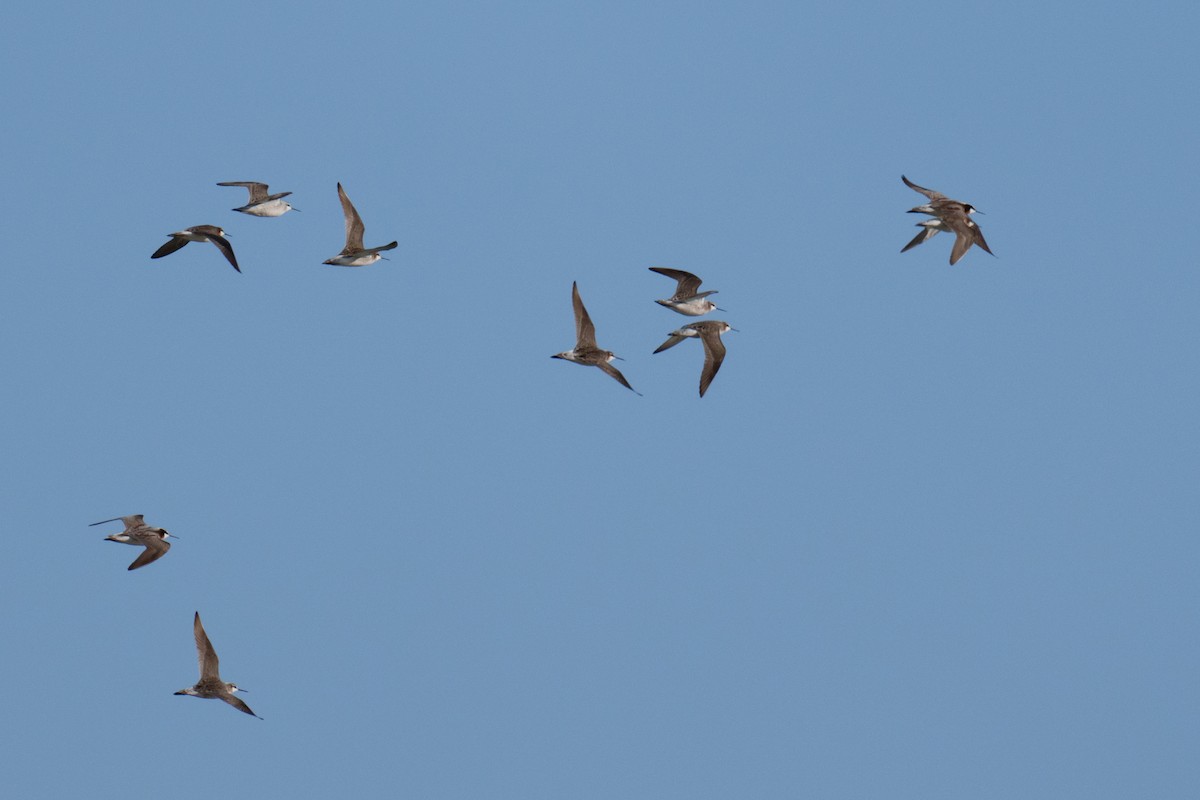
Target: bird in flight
(687,299)
(953,216)
(354,254)
(137,532)
(709,331)
(199,233)
(262,204)
(210,685)
(586,352)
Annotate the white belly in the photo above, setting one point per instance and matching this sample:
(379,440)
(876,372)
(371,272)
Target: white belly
(695,308)
(274,208)
(355,260)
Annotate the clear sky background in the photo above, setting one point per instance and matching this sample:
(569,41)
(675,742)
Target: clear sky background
(932,533)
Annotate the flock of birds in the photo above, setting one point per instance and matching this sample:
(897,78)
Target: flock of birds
(262,204)
(950,216)
(154,540)
(953,216)
(686,300)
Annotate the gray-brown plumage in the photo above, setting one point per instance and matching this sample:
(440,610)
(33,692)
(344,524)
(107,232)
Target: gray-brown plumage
(709,333)
(262,204)
(210,685)
(199,233)
(687,300)
(929,229)
(586,352)
(954,216)
(137,532)
(354,254)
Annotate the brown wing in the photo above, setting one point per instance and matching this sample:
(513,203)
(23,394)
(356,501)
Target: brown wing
(977,235)
(258,191)
(174,244)
(714,354)
(616,373)
(930,193)
(670,342)
(238,703)
(130,522)
(961,226)
(354,224)
(226,249)
(156,548)
(210,666)
(585,331)
(688,283)
(391,246)
(927,232)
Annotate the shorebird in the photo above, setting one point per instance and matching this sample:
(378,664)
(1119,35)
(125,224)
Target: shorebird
(586,352)
(262,204)
(709,331)
(210,685)
(354,254)
(137,532)
(954,216)
(686,299)
(199,233)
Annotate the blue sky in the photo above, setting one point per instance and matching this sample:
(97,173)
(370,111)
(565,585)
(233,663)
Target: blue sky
(932,532)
